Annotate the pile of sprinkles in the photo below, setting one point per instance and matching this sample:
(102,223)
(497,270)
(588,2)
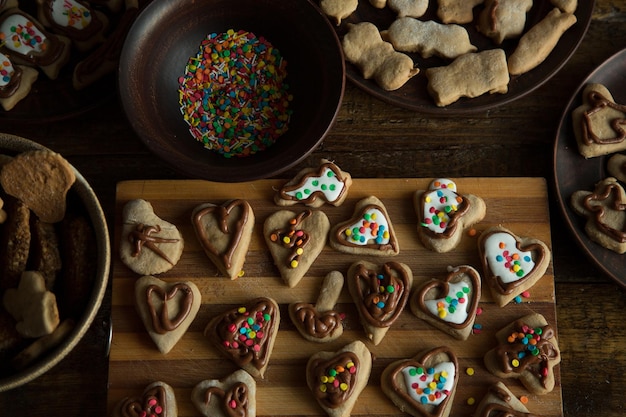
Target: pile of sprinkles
(233,94)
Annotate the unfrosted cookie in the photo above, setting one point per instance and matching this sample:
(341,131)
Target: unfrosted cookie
(503,19)
(567,6)
(410,8)
(604,209)
(319,322)
(368,232)
(424,385)
(224,232)
(15,238)
(314,187)
(616,165)
(338,9)
(470,75)
(380,294)
(500,401)
(246,334)
(232,396)
(511,264)
(158,398)
(449,303)
(598,122)
(527,350)
(364,47)
(15,83)
(428,38)
(456,11)
(350,366)
(295,240)
(149,245)
(43,344)
(538,42)
(443,214)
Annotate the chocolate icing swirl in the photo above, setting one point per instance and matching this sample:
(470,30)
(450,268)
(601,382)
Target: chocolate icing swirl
(329,394)
(162,323)
(13,85)
(152,400)
(315,324)
(234,401)
(598,103)
(599,211)
(316,194)
(455,216)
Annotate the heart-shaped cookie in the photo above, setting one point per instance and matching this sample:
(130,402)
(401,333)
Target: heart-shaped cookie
(511,264)
(527,350)
(149,244)
(167,309)
(368,232)
(500,401)
(246,334)
(233,396)
(295,241)
(450,303)
(319,322)
(224,232)
(423,386)
(158,399)
(337,378)
(605,211)
(380,293)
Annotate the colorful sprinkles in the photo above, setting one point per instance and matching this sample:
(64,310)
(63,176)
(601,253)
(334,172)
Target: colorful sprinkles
(439,205)
(233,94)
(527,337)
(373,226)
(378,301)
(512,260)
(451,303)
(431,385)
(333,378)
(250,332)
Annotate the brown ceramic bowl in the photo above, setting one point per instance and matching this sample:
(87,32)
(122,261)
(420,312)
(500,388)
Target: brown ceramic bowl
(168,32)
(83,196)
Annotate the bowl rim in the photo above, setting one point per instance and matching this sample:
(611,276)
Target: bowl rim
(99,223)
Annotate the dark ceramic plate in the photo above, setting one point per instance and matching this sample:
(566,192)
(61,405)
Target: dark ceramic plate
(573,172)
(168,32)
(414,96)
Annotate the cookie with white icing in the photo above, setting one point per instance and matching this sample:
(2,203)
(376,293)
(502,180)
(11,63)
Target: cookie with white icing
(16,82)
(443,214)
(158,398)
(234,395)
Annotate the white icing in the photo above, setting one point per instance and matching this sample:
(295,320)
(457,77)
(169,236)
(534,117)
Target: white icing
(417,382)
(499,249)
(327,183)
(6,70)
(362,233)
(442,195)
(17,42)
(460,313)
(70,13)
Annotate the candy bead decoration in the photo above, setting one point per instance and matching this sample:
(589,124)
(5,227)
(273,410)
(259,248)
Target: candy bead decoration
(22,36)
(430,385)
(505,260)
(327,184)
(453,307)
(440,204)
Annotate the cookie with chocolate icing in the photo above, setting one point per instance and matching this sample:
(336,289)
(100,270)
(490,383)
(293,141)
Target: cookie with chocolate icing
(16,82)
(350,366)
(158,398)
(380,293)
(167,309)
(500,401)
(527,350)
(233,396)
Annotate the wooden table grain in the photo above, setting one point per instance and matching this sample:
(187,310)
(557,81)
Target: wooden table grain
(372,139)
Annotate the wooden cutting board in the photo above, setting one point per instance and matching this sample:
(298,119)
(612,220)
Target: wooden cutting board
(520,204)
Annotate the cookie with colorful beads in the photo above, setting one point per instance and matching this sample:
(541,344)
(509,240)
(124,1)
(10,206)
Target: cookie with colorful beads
(368,232)
(157,399)
(526,350)
(234,395)
(424,385)
(449,303)
(314,187)
(499,400)
(511,264)
(15,82)
(337,378)
(443,214)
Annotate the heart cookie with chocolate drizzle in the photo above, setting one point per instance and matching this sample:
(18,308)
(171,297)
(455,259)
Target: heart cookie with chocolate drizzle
(450,303)
(423,386)
(380,293)
(295,240)
(158,398)
(224,232)
(233,396)
(166,309)
(337,378)
(500,401)
(511,264)
(246,334)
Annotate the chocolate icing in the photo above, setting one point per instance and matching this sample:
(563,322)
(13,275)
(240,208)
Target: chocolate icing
(162,323)
(316,194)
(13,85)
(332,396)
(234,401)
(152,399)
(598,102)
(143,236)
(599,210)
(462,209)
(315,324)
(292,237)
(501,410)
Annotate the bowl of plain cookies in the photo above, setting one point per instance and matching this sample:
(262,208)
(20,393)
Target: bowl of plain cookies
(232,92)
(54,259)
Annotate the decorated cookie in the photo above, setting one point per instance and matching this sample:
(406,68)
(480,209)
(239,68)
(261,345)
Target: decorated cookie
(409,8)
(246,334)
(157,399)
(350,367)
(616,166)
(503,19)
(233,396)
(41,180)
(457,11)
(314,187)
(527,350)
(599,122)
(450,303)
(443,214)
(149,244)
(511,264)
(15,83)
(423,385)
(319,322)
(295,241)
(500,401)
(224,232)
(380,293)
(364,47)
(167,309)
(338,9)
(605,211)
(368,232)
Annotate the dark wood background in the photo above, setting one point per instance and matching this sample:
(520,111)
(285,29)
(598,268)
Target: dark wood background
(373,139)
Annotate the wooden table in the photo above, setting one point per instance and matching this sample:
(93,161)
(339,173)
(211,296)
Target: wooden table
(513,140)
